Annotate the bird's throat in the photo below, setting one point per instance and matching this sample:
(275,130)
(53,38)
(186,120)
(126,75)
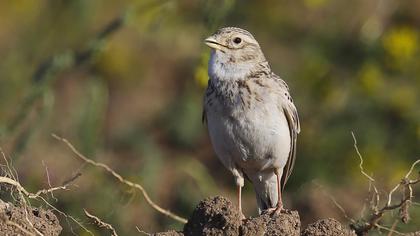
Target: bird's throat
(223,67)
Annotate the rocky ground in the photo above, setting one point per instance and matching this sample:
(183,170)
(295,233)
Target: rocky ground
(218,216)
(212,216)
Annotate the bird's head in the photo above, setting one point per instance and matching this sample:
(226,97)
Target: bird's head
(235,53)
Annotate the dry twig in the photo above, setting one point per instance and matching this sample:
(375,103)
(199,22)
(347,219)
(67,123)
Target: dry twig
(375,195)
(377,214)
(100,223)
(142,231)
(48,180)
(23,194)
(122,180)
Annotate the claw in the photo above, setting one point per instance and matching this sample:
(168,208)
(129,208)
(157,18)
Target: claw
(278,210)
(275,211)
(241,216)
(269,210)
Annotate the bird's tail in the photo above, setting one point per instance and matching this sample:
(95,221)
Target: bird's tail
(265,185)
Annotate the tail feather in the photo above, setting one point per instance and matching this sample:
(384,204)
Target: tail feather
(265,185)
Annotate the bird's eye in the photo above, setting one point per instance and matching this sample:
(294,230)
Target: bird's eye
(237,40)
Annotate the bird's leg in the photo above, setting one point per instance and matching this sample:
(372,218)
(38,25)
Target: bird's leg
(279,207)
(239,180)
(240,202)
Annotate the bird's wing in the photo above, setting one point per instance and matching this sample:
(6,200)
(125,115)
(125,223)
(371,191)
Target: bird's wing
(209,92)
(290,111)
(203,116)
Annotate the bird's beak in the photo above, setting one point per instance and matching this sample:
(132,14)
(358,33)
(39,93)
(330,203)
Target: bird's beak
(213,43)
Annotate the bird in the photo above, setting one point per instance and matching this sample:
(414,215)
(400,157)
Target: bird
(251,119)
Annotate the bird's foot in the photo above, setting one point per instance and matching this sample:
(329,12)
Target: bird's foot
(278,210)
(275,211)
(241,216)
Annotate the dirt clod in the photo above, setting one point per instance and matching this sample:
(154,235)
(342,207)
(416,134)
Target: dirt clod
(327,227)
(287,223)
(218,216)
(13,220)
(214,216)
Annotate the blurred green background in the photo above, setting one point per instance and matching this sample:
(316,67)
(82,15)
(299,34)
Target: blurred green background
(131,97)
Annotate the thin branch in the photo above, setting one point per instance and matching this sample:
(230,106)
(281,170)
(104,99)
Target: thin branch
(403,205)
(412,168)
(361,159)
(48,180)
(23,192)
(142,231)
(405,177)
(14,183)
(72,178)
(13,180)
(10,172)
(389,229)
(100,223)
(393,227)
(20,188)
(66,216)
(122,180)
(375,194)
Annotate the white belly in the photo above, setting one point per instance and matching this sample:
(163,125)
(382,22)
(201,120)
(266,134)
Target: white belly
(252,140)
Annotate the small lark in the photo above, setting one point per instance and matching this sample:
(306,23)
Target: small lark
(252,121)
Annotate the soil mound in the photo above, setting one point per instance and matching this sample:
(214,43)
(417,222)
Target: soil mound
(214,216)
(14,221)
(219,216)
(327,227)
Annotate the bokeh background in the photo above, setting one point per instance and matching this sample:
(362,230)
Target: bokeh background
(124,81)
